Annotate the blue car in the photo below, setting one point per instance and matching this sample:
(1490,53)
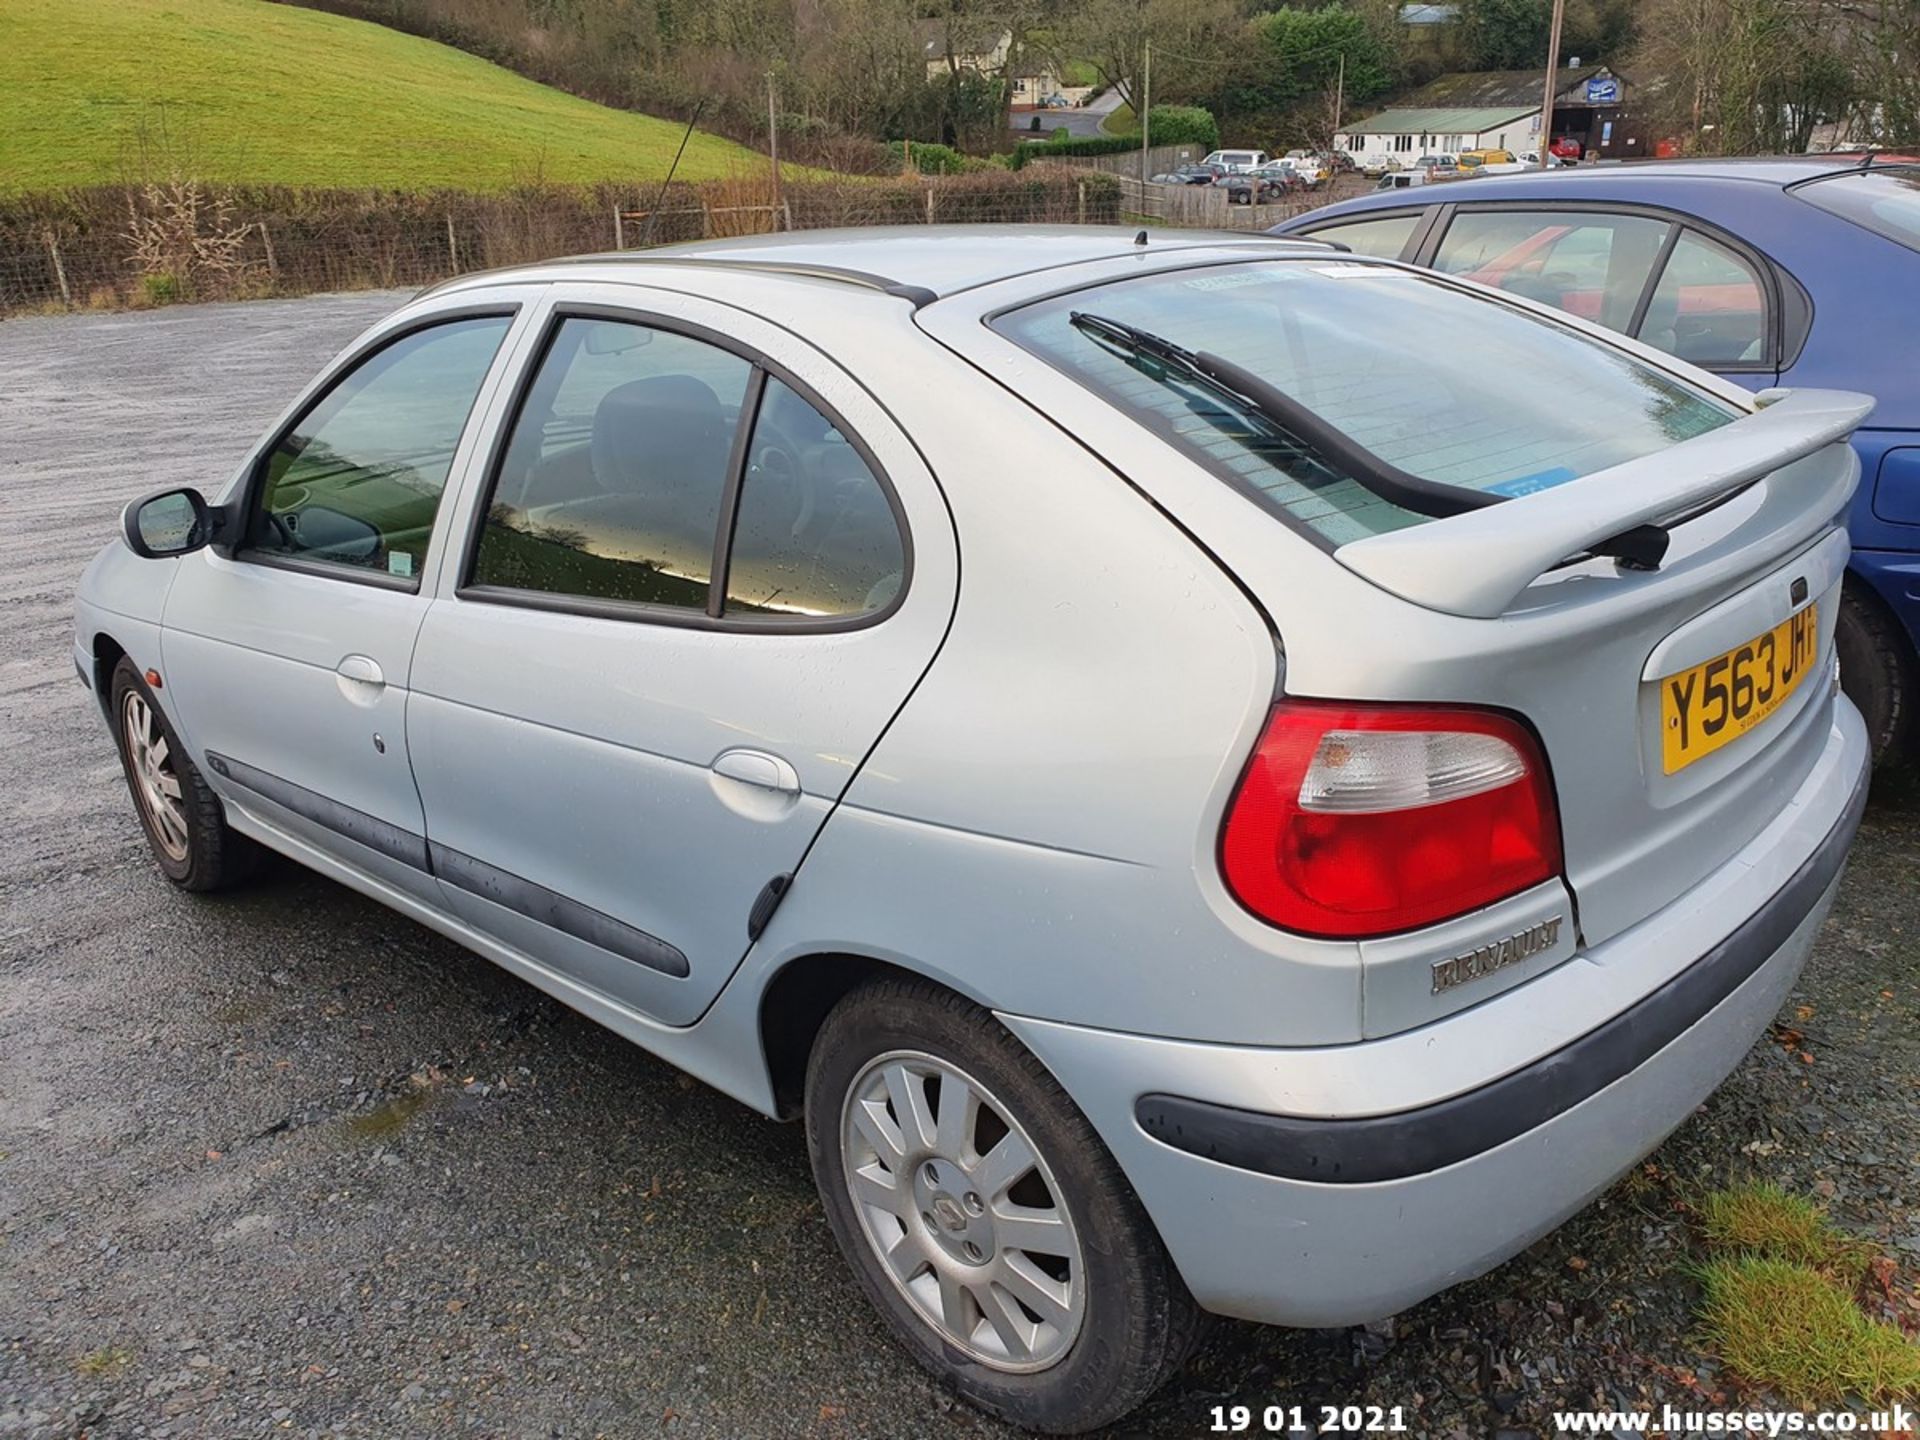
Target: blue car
(1802,271)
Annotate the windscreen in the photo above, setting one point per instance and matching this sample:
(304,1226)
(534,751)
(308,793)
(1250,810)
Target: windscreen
(1445,384)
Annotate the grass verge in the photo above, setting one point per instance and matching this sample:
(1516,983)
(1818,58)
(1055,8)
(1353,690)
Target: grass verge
(1779,1307)
(1799,1333)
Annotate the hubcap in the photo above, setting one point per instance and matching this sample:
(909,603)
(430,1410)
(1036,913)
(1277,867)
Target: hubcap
(962,1212)
(154,778)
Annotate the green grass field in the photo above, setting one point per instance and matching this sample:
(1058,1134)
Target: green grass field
(249,92)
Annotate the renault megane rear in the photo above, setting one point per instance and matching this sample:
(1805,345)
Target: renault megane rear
(1204,782)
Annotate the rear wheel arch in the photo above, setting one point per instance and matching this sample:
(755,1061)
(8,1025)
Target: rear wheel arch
(795,1002)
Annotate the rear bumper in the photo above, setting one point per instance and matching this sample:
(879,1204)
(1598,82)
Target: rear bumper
(1298,1186)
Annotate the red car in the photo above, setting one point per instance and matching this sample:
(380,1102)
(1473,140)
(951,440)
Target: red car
(1565,148)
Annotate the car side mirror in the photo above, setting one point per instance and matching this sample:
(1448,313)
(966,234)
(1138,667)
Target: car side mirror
(170,523)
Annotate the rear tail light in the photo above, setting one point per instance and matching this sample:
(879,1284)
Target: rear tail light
(1359,820)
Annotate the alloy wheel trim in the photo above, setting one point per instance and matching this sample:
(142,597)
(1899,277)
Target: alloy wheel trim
(937,1217)
(156,782)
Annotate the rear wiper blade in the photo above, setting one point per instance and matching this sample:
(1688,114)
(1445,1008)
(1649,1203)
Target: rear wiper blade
(1392,484)
(1640,548)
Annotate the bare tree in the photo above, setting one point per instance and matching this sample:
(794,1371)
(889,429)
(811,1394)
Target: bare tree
(1743,77)
(1191,40)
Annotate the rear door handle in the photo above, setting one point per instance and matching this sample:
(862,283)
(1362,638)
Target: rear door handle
(757,767)
(360,672)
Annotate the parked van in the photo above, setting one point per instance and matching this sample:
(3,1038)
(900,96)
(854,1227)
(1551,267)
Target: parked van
(1238,162)
(1402,179)
(1491,162)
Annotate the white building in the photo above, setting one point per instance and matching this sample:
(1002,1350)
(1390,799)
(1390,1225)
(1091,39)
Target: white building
(1491,110)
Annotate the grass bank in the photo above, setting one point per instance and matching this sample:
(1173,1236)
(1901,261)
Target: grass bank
(250,93)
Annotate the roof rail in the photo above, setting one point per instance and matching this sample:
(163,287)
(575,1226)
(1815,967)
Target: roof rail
(916,295)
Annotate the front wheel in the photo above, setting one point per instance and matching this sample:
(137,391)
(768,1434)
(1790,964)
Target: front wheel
(982,1215)
(179,812)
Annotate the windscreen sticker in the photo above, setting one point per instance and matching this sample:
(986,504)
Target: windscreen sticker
(1338,270)
(1534,483)
(1235,278)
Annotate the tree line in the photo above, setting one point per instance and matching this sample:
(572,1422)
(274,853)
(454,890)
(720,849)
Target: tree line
(1727,76)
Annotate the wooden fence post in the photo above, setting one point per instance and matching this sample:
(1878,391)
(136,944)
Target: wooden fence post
(273,266)
(1082,188)
(59,271)
(930,203)
(453,248)
(619,228)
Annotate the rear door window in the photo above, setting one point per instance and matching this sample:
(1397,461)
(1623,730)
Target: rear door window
(1708,306)
(611,485)
(1592,265)
(646,464)
(1375,351)
(815,535)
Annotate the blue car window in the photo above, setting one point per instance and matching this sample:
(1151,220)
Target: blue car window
(1593,265)
(1385,237)
(1886,202)
(1709,307)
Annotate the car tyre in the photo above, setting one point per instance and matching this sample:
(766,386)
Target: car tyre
(1102,1327)
(181,816)
(1877,671)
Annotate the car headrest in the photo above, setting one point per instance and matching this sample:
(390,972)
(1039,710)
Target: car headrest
(659,434)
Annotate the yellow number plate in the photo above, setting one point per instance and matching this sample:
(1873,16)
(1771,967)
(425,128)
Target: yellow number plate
(1706,707)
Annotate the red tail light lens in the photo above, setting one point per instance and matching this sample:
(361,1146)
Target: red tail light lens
(1358,820)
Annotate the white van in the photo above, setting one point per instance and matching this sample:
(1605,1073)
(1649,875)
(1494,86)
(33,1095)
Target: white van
(1237,162)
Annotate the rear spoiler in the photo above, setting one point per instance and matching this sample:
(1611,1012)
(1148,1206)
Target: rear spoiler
(1477,563)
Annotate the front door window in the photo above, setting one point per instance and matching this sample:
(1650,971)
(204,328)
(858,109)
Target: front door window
(356,481)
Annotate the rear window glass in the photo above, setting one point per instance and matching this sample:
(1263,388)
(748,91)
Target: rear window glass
(1885,201)
(1443,384)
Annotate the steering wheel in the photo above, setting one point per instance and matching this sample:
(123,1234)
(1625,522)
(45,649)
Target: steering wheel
(775,460)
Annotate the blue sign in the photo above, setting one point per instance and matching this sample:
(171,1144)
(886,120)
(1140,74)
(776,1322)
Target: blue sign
(1603,90)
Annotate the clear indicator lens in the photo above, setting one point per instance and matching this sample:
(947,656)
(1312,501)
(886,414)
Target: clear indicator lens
(1362,772)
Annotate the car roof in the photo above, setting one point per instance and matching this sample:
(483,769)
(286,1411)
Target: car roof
(1609,181)
(921,263)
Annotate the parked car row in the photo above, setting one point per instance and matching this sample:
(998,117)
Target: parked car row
(1416,802)
(1250,177)
(1564,151)
(1777,273)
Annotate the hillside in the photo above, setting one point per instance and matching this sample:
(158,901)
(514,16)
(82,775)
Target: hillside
(250,92)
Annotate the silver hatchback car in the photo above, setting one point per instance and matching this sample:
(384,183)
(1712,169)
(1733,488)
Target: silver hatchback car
(1207,784)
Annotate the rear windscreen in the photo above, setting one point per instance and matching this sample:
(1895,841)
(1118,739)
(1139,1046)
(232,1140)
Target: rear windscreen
(1442,383)
(1885,201)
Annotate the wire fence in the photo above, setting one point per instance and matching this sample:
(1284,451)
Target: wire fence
(160,243)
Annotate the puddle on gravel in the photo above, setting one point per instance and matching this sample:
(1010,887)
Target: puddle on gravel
(388,1117)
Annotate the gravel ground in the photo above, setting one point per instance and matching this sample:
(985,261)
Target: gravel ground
(285,1162)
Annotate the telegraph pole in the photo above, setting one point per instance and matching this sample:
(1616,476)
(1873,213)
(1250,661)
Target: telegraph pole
(1146,105)
(1339,104)
(773,144)
(1553,82)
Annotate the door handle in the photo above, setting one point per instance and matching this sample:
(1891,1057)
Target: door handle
(360,679)
(756,767)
